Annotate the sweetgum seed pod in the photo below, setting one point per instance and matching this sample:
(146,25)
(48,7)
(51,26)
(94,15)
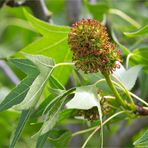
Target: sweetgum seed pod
(92,50)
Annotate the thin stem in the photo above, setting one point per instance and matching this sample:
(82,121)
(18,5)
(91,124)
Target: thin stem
(125,16)
(88,130)
(139,99)
(99,81)
(84,131)
(64,64)
(127,93)
(127,59)
(58,65)
(114,90)
(135,96)
(123,88)
(97,128)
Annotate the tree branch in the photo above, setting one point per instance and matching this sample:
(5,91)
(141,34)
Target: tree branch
(9,73)
(2,3)
(38,8)
(73,8)
(141,110)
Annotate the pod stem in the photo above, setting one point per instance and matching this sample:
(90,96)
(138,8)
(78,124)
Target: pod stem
(114,90)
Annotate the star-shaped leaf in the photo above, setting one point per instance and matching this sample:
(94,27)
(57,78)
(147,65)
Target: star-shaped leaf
(45,66)
(53,43)
(19,92)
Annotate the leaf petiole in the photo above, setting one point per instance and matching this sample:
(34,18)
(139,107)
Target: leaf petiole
(127,93)
(114,90)
(99,127)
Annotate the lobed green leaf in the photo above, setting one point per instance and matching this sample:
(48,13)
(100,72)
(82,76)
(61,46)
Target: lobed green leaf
(45,66)
(53,44)
(18,94)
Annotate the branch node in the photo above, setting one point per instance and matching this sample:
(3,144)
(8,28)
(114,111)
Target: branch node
(142,110)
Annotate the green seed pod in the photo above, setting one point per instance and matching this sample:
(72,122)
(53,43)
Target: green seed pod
(92,50)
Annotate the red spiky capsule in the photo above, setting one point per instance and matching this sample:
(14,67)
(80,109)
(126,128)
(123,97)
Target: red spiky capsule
(92,50)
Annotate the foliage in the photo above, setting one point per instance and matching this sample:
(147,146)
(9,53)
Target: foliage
(44,102)
(142,141)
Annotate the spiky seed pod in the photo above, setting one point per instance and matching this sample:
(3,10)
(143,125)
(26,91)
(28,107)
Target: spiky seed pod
(104,105)
(92,50)
(90,115)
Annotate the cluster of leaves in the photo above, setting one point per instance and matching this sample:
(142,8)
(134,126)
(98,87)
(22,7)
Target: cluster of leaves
(41,95)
